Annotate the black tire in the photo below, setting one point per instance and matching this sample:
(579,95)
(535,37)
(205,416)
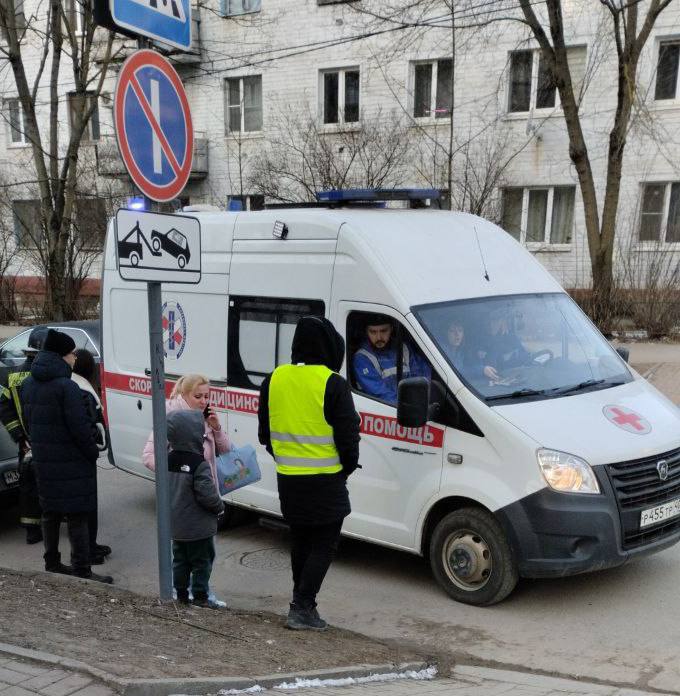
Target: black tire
(181,261)
(156,244)
(134,258)
(471,557)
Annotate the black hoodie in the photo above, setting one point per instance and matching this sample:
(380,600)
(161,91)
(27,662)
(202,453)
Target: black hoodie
(319,499)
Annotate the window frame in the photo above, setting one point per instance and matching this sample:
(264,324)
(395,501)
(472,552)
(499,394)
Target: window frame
(664,41)
(237,373)
(242,133)
(23,140)
(432,116)
(227,12)
(661,241)
(536,58)
(547,227)
(341,71)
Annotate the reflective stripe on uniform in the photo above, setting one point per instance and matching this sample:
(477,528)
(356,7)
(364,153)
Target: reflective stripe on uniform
(307,461)
(303,439)
(389,371)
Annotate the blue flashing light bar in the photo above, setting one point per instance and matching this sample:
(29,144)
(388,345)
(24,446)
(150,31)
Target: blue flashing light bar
(357,195)
(235,205)
(136,203)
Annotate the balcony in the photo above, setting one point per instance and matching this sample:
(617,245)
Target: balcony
(109,162)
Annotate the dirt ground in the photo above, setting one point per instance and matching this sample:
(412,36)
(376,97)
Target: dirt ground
(137,637)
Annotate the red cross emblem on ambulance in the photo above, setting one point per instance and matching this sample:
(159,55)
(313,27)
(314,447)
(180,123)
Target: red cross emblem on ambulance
(627,419)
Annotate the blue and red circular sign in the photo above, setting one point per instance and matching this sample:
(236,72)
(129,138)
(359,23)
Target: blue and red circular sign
(174,329)
(153,125)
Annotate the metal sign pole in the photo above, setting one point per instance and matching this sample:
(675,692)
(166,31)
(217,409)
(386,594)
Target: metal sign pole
(160,440)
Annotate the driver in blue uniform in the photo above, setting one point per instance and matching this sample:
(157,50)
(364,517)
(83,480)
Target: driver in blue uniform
(375,363)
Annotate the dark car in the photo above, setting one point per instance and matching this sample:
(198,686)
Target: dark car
(174,242)
(84,333)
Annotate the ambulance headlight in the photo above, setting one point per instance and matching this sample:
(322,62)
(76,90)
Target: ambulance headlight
(567,473)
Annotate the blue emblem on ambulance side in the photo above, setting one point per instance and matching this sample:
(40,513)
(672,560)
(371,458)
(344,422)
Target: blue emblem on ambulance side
(174,330)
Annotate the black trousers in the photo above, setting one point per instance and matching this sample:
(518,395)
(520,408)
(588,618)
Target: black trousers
(78,534)
(311,553)
(29,503)
(192,563)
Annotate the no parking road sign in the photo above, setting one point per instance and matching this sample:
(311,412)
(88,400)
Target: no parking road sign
(153,125)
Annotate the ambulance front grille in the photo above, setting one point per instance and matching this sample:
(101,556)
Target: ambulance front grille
(637,486)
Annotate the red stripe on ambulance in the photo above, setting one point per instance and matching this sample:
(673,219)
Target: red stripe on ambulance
(387,427)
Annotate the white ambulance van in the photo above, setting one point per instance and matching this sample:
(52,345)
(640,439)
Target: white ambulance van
(543,453)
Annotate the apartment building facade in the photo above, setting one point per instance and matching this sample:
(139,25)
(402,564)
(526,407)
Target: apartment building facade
(290,95)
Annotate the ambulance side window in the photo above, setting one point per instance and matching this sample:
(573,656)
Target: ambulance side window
(261,335)
(451,412)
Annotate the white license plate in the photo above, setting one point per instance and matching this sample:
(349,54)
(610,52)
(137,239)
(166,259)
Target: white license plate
(660,513)
(11,477)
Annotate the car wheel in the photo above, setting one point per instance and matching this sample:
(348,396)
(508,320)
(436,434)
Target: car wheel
(181,261)
(471,557)
(134,258)
(156,244)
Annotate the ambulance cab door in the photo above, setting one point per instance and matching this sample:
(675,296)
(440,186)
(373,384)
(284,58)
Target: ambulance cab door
(401,467)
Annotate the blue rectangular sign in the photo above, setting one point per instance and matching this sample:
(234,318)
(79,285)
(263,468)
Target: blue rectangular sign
(168,21)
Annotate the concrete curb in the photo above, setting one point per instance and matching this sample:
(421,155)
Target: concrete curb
(195,686)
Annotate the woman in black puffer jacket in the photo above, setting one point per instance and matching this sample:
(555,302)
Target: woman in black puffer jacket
(64,453)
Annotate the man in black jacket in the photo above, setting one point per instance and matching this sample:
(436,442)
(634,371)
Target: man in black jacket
(64,453)
(308,423)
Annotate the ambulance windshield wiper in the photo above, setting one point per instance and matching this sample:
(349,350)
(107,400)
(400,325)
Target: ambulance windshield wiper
(517,394)
(581,385)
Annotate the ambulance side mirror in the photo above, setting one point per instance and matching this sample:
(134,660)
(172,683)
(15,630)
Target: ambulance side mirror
(623,352)
(413,402)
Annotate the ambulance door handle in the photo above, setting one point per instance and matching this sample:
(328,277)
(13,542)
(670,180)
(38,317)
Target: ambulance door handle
(147,372)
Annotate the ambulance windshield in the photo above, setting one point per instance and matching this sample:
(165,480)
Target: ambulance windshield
(521,347)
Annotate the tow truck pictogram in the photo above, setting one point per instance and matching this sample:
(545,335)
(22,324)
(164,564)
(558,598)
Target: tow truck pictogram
(133,250)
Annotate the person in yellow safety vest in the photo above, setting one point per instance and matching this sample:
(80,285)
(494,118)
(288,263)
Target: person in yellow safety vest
(11,417)
(308,423)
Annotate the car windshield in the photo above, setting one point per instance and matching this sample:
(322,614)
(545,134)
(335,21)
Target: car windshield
(523,346)
(178,238)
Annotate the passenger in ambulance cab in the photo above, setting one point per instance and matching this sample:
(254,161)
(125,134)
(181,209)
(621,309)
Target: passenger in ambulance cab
(375,363)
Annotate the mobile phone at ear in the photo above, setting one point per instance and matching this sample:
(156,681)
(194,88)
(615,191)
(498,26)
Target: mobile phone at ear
(206,412)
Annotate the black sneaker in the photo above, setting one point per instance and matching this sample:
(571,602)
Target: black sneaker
(101,550)
(183,596)
(59,568)
(305,620)
(200,600)
(97,559)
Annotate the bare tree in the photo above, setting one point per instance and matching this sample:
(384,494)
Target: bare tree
(71,54)
(303,158)
(630,33)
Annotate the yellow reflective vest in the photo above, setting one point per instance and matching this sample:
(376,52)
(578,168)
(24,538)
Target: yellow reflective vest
(301,438)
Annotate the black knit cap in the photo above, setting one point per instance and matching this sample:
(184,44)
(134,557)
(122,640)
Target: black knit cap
(58,342)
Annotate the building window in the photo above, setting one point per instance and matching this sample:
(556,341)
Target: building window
(340,95)
(16,122)
(261,335)
(539,215)
(28,227)
(660,213)
(244,104)
(531,84)
(76,110)
(432,95)
(231,8)
(89,224)
(76,16)
(249,202)
(667,71)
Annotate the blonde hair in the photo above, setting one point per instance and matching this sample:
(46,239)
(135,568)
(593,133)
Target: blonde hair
(187,383)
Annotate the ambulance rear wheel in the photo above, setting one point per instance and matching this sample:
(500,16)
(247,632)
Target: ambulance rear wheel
(471,557)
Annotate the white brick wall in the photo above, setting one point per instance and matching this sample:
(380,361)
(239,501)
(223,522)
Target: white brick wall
(244,46)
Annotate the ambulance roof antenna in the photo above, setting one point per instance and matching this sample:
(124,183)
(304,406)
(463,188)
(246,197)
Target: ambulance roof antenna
(481,254)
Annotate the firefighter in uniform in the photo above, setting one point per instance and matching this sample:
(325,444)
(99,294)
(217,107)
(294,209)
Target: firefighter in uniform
(11,417)
(308,422)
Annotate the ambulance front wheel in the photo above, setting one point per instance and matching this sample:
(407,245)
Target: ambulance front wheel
(471,557)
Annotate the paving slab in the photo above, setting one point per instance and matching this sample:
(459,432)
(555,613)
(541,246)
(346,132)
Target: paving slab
(9,676)
(66,686)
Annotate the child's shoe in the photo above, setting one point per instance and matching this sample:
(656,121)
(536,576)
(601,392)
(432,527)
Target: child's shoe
(182,596)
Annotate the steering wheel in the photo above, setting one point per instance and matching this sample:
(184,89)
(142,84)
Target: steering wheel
(542,357)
